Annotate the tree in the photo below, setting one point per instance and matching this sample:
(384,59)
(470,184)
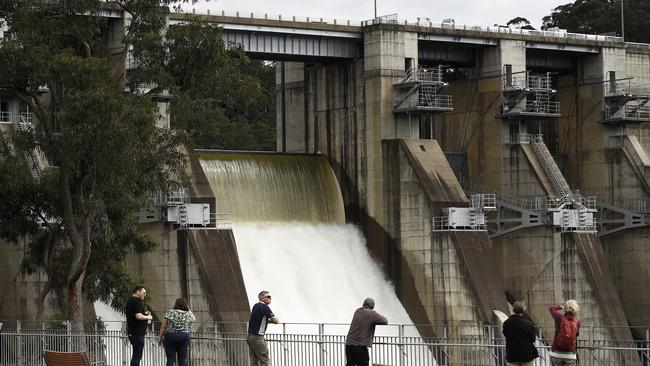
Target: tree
(602,16)
(221,97)
(519,23)
(77,218)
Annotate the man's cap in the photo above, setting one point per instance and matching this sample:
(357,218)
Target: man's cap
(369,303)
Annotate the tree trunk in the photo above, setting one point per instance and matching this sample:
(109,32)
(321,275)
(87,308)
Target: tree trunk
(79,234)
(75,304)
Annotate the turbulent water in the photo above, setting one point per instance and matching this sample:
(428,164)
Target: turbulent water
(292,241)
(315,273)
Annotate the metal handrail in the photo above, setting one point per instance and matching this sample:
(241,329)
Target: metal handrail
(6,117)
(528,81)
(533,106)
(434,75)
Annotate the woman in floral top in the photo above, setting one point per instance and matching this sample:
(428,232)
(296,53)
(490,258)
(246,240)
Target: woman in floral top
(175,332)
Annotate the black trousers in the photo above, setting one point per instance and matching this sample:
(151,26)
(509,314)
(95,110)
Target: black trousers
(356,355)
(137,342)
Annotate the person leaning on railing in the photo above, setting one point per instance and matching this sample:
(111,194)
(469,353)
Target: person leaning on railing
(261,315)
(361,333)
(175,332)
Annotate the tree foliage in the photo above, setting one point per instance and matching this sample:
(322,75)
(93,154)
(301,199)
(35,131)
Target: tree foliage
(77,220)
(602,16)
(221,97)
(519,23)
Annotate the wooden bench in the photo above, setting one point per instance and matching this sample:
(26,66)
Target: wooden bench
(54,358)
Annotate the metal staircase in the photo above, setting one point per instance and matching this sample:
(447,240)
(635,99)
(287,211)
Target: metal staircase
(562,189)
(35,158)
(419,91)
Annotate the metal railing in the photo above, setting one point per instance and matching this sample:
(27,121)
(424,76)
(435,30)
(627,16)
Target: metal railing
(426,99)
(420,22)
(20,118)
(6,117)
(553,173)
(502,30)
(626,88)
(636,112)
(423,75)
(526,80)
(532,106)
(210,345)
(483,202)
(524,138)
(176,197)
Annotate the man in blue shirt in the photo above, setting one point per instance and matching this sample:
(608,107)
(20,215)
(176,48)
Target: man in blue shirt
(260,316)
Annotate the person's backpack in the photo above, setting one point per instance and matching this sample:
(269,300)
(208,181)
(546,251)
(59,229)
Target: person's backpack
(565,340)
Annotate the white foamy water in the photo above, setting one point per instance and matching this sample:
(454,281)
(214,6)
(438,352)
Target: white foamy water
(315,273)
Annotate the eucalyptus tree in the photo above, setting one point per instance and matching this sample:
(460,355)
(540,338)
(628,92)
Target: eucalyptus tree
(223,99)
(602,16)
(98,131)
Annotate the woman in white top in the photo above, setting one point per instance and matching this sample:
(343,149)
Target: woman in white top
(175,332)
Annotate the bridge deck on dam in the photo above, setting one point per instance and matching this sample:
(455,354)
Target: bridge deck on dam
(305,38)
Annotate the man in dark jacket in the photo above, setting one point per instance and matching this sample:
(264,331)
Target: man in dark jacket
(136,322)
(520,337)
(362,330)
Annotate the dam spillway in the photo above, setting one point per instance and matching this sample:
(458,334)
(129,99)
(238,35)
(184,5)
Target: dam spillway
(291,239)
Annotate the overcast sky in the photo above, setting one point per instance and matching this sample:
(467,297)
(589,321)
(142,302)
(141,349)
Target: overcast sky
(469,12)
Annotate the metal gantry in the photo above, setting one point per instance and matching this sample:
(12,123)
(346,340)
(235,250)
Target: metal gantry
(626,103)
(573,213)
(528,95)
(176,207)
(472,218)
(419,92)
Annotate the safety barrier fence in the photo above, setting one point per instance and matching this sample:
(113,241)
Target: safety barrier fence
(213,347)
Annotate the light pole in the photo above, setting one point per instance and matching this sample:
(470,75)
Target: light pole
(376,9)
(622,21)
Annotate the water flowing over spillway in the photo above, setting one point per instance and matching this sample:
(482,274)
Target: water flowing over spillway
(291,238)
(316,273)
(274,187)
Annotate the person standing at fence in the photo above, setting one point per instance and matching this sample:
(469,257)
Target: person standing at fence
(175,332)
(567,329)
(261,315)
(520,337)
(361,333)
(136,322)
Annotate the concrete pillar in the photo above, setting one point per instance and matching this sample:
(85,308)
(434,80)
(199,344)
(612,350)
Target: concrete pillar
(387,53)
(292,128)
(606,171)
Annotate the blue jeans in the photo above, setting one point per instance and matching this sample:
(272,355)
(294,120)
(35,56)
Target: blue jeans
(176,344)
(137,342)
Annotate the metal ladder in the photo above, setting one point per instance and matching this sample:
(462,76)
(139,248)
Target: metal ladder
(35,168)
(545,158)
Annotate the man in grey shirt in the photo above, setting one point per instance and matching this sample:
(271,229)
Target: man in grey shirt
(362,330)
